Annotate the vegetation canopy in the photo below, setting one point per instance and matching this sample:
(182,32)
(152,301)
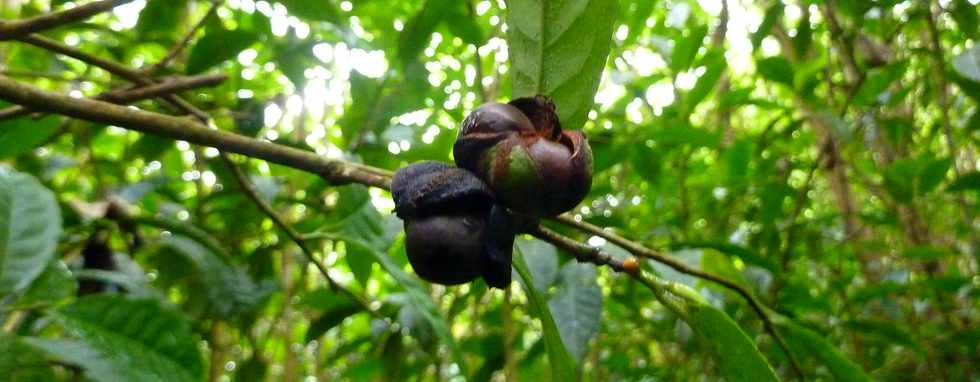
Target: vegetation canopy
(206,190)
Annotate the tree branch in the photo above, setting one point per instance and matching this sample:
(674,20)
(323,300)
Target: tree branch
(15,29)
(640,251)
(127,96)
(333,170)
(109,66)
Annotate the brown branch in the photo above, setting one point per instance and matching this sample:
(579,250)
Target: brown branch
(333,170)
(15,29)
(127,96)
(640,251)
(109,66)
(177,49)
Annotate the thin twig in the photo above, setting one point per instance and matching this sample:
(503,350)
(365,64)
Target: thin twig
(127,96)
(334,170)
(177,49)
(15,29)
(640,251)
(293,235)
(109,66)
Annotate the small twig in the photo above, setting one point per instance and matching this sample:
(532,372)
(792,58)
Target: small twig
(127,96)
(109,66)
(177,49)
(293,235)
(641,251)
(15,29)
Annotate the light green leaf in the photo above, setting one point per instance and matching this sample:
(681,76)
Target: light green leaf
(21,135)
(577,307)
(562,363)
(229,290)
(739,360)
(736,354)
(30,223)
(123,339)
(558,49)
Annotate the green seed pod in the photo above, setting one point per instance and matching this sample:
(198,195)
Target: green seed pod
(521,152)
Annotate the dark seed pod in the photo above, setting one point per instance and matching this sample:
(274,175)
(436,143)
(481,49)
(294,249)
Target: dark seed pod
(453,231)
(521,152)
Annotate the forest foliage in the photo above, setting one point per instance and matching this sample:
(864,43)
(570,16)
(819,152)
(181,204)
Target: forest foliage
(797,181)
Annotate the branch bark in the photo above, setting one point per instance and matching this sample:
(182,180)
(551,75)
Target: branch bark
(334,171)
(127,96)
(15,29)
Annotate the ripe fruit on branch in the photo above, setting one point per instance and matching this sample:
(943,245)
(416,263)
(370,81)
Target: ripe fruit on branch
(521,152)
(453,231)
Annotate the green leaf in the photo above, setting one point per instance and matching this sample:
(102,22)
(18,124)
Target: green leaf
(418,31)
(926,253)
(776,69)
(21,362)
(715,64)
(21,135)
(158,18)
(336,311)
(314,10)
(416,293)
(123,339)
(577,307)
(30,223)
(558,49)
(542,261)
(229,290)
(686,49)
(816,346)
(965,182)
(217,46)
(737,356)
(53,286)
(877,81)
(562,363)
(773,14)
(966,17)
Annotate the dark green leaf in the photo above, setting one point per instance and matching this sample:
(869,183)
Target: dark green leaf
(114,333)
(965,182)
(21,135)
(878,80)
(561,362)
(577,307)
(816,346)
(776,69)
(339,309)
(217,46)
(21,362)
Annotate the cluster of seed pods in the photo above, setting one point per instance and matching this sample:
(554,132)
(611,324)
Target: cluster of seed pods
(512,158)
